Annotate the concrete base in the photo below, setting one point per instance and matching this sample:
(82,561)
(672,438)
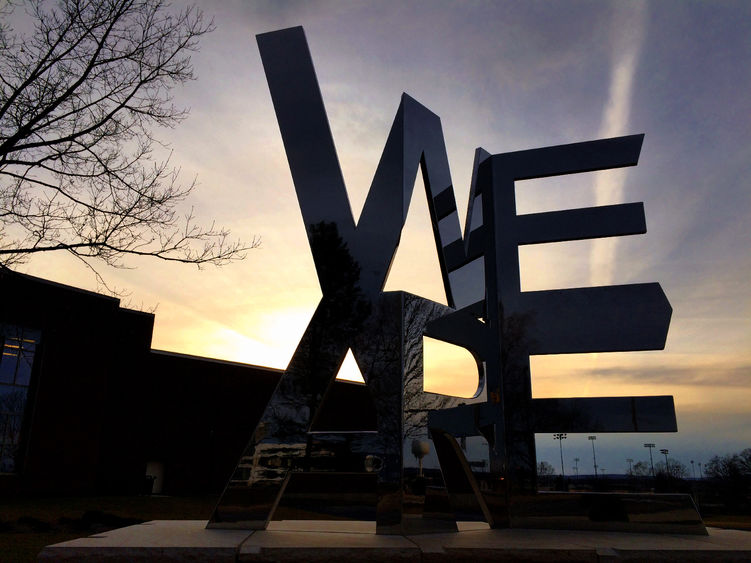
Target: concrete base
(158,540)
(328,541)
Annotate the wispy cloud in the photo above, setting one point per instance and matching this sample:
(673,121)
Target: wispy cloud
(716,375)
(628,31)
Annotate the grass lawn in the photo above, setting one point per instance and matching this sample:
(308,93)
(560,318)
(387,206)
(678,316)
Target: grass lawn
(27,525)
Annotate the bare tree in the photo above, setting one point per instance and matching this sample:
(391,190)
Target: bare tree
(730,466)
(544,469)
(674,468)
(641,469)
(78,100)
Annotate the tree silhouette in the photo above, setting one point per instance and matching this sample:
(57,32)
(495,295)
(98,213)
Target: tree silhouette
(544,469)
(641,469)
(730,466)
(79,97)
(675,468)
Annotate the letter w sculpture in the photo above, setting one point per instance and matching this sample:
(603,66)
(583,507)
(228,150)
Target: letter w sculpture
(295,469)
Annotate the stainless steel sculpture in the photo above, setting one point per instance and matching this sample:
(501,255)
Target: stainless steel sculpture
(294,469)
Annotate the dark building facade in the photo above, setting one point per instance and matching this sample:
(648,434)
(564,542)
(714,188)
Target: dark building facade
(78,344)
(86,406)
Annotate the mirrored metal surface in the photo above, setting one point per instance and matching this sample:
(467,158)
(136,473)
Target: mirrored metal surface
(291,472)
(431,458)
(519,324)
(604,414)
(384,331)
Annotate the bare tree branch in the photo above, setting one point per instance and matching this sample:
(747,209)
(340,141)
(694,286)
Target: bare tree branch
(78,100)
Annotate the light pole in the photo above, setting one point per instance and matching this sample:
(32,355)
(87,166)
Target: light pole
(651,463)
(561,437)
(693,473)
(701,475)
(667,467)
(576,466)
(594,457)
(630,461)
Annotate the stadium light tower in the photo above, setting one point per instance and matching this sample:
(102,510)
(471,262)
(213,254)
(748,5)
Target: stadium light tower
(594,456)
(560,437)
(651,463)
(667,467)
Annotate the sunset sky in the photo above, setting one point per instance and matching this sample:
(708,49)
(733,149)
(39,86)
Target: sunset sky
(505,76)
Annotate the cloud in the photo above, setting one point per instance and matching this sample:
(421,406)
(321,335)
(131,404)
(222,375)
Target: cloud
(629,26)
(714,375)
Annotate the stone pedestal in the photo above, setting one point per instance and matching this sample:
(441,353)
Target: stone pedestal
(332,541)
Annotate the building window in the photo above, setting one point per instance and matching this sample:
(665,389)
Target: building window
(18,346)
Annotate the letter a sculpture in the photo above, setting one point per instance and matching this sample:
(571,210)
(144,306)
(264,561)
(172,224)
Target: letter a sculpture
(410,472)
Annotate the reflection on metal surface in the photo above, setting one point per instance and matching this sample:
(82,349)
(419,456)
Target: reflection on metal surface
(604,414)
(434,459)
(378,468)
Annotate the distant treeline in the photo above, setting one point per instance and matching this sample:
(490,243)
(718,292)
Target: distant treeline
(722,484)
